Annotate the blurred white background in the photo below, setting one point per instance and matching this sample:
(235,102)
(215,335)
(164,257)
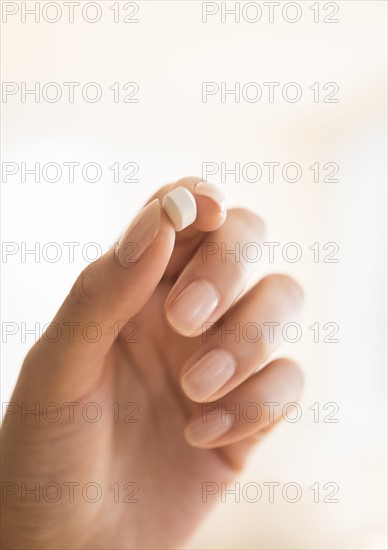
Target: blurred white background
(169,133)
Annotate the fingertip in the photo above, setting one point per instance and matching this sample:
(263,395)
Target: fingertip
(209,215)
(213,192)
(181,207)
(210,204)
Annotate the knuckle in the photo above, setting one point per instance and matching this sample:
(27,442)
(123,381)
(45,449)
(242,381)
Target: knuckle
(290,365)
(296,373)
(264,349)
(286,284)
(249,219)
(82,292)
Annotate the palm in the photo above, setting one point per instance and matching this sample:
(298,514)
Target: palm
(146,414)
(115,470)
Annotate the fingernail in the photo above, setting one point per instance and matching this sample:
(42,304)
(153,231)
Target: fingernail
(140,234)
(208,374)
(207,429)
(192,307)
(212,191)
(180,206)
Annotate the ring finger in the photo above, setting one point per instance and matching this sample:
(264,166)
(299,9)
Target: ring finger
(243,341)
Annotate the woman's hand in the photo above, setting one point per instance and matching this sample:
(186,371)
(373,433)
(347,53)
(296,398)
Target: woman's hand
(139,385)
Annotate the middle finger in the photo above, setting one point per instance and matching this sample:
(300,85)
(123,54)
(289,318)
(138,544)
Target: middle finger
(216,275)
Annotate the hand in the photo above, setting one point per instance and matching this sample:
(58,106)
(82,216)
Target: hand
(134,406)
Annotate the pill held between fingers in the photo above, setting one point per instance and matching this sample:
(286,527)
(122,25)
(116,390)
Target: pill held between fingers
(180,206)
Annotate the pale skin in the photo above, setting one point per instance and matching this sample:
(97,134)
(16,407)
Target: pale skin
(162,456)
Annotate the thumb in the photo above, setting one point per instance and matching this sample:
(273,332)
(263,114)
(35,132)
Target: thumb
(118,285)
(71,354)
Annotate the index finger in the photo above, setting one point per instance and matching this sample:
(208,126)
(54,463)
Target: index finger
(209,203)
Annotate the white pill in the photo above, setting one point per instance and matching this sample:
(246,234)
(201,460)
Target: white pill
(180,206)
